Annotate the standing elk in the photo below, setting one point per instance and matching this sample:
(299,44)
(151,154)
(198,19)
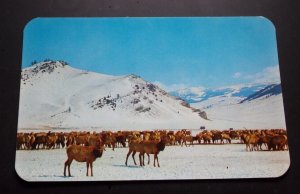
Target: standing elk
(135,146)
(226,137)
(152,147)
(251,142)
(277,142)
(187,138)
(86,154)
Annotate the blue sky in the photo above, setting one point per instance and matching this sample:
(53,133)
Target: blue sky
(189,51)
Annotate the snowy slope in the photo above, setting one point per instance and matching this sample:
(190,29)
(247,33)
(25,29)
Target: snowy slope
(259,113)
(240,106)
(54,94)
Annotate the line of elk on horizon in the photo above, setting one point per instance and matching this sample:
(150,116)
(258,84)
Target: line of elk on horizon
(254,137)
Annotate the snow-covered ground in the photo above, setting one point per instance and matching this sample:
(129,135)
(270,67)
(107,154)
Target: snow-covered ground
(194,162)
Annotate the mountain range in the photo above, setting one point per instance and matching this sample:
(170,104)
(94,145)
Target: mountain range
(207,98)
(53,94)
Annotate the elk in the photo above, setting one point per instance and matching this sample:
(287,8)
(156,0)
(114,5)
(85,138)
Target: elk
(217,135)
(226,137)
(277,142)
(152,147)
(251,142)
(264,139)
(60,140)
(135,146)
(86,154)
(38,139)
(188,138)
(109,139)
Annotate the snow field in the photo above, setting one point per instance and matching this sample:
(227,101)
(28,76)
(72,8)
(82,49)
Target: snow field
(176,162)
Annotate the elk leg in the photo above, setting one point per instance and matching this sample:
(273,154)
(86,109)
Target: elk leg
(148,158)
(128,154)
(65,167)
(157,161)
(140,158)
(91,164)
(87,168)
(143,159)
(154,159)
(133,156)
(68,164)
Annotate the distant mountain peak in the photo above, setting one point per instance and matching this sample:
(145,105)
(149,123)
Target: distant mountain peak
(223,96)
(133,76)
(269,90)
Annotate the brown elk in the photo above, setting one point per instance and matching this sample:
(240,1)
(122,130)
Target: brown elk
(51,141)
(277,142)
(81,139)
(23,140)
(187,138)
(38,139)
(86,154)
(226,137)
(251,141)
(264,140)
(217,135)
(234,135)
(109,139)
(207,137)
(70,139)
(152,147)
(121,140)
(135,146)
(60,142)
(171,139)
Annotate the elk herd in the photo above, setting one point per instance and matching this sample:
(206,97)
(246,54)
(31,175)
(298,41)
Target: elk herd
(87,146)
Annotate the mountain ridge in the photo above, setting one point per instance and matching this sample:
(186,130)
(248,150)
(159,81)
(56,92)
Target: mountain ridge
(269,90)
(206,98)
(58,95)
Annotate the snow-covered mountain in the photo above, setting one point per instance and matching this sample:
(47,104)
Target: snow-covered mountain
(207,98)
(198,94)
(269,90)
(258,113)
(53,94)
(240,106)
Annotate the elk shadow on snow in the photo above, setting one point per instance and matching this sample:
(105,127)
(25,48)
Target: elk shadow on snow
(129,166)
(53,176)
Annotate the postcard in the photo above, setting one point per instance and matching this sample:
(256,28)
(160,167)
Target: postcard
(150,98)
